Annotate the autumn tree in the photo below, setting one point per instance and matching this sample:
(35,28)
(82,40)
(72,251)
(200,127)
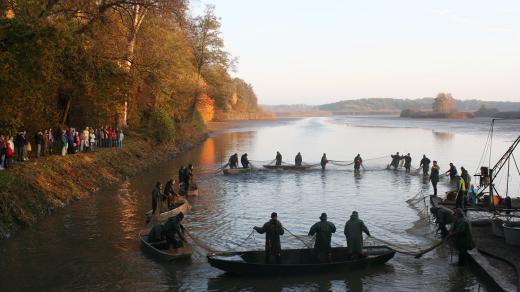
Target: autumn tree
(444,103)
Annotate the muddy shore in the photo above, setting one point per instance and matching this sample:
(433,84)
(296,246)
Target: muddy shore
(31,190)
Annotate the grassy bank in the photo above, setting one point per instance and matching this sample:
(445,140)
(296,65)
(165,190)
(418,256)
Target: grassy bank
(35,188)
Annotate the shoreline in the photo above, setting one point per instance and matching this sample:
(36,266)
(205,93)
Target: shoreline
(33,190)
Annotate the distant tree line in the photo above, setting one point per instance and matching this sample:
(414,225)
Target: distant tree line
(95,62)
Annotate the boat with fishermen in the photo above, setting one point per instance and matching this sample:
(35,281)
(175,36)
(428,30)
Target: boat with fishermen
(298,261)
(181,205)
(162,250)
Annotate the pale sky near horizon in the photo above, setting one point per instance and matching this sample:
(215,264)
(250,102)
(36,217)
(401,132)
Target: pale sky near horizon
(316,52)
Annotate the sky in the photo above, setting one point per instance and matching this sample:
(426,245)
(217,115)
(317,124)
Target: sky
(315,52)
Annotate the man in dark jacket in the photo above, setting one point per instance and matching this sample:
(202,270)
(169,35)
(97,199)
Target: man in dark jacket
(233,161)
(443,217)
(452,172)
(156,196)
(173,230)
(298,159)
(358,162)
(323,231)
(434,177)
(272,229)
(407,162)
(461,233)
(395,160)
(425,163)
(169,193)
(353,232)
(324,161)
(19,143)
(278,158)
(244,160)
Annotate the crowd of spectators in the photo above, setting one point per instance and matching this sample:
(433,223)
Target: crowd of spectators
(48,142)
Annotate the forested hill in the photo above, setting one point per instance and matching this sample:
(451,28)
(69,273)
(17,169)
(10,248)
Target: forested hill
(391,105)
(87,62)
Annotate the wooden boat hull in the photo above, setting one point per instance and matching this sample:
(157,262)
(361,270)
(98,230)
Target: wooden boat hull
(230,171)
(184,208)
(297,261)
(287,167)
(159,249)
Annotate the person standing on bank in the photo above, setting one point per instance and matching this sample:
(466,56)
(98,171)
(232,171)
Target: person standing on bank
(272,229)
(434,177)
(323,230)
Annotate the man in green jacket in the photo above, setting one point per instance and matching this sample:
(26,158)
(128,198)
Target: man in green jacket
(434,177)
(461,192)
(323,231)
(353,232)
(461,233)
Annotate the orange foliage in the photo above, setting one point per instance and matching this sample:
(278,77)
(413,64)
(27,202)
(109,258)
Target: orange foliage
(206,107)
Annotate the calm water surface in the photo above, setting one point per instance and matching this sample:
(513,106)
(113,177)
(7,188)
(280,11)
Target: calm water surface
(92,245)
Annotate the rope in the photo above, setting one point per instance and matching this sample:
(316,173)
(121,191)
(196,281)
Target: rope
(200,243)
(297,237)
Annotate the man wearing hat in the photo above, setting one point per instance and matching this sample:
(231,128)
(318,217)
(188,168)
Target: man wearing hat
(353,231)
(272,229)
(323,231)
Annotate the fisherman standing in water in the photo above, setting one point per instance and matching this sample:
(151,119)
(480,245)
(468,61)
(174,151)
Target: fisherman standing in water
(425,163)
(407,162)
(434,177)
(324,161)
(395,160)
(358,162)
(278,159)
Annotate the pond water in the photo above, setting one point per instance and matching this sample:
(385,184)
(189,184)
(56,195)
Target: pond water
(93,245)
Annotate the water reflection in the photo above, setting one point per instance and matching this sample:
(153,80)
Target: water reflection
(442,135)
(92,245)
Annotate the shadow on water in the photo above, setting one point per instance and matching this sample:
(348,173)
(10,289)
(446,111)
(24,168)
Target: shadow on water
(348,281)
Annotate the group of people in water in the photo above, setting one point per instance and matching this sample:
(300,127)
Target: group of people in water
(322,230)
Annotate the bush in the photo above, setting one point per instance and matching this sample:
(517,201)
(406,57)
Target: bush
(160,126)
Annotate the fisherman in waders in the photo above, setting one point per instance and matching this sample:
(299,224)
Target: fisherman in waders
(434,177)
(298,159)
(174,231)
(461,233)
(272,229)
(452,172)
(353,232)
(425,163)
(323,231)
(244,161)
(407,162)
(181,179)
(156,196)
(358,162)
(461,192)
(278,159)
(324,161)
(395,160)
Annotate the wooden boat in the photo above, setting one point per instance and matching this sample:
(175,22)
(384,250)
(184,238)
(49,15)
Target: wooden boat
(288,167)
(183,207)
(161,250)
(228,171)
(297,261)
